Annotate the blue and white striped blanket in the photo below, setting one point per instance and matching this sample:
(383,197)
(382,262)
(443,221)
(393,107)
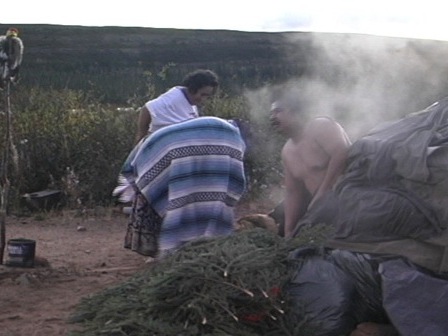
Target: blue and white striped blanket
(192,175)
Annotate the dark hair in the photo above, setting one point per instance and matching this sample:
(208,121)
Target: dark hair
(200,78)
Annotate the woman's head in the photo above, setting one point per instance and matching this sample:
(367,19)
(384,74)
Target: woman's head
(200,84)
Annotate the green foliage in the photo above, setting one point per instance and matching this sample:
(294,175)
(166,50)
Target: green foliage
(230,285)
(58,133)
(68,133)
(68,140)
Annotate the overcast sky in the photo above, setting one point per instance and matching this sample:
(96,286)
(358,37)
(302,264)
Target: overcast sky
(400,18)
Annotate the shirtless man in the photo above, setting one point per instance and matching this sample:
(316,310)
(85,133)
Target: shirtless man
(313,157)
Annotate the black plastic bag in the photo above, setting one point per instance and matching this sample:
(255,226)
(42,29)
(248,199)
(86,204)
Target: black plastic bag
(416,300)
(334,290)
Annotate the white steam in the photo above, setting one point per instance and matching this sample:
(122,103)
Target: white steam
(363,80)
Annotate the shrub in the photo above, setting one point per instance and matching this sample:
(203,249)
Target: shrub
(67,140)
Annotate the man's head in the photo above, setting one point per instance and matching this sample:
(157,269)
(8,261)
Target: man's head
(12,32)
(201,84)
(286,112)
(291,102)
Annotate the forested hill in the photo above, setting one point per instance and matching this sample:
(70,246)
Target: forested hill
(61,56)
(126,46)
(118,62)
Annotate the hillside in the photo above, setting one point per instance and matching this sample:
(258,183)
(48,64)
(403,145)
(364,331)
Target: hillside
(118,62)
(57,55)
(108,46)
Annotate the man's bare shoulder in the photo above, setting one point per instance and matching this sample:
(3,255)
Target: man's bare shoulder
(320,125)
(328,133)
(322,120)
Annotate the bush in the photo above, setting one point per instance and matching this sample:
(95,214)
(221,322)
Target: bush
(67,140)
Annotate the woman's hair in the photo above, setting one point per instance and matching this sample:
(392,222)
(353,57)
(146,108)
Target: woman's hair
(199,79)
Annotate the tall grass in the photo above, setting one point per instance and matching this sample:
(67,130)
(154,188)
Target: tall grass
(69,140)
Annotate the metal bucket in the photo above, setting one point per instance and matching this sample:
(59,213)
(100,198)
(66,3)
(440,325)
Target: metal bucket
(21,252)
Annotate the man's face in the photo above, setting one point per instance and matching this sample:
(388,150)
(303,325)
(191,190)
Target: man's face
(199,97)
(280,117)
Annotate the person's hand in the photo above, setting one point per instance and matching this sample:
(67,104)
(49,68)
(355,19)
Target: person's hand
(374,329)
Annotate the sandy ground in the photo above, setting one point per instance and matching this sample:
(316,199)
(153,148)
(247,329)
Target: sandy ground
(75,256)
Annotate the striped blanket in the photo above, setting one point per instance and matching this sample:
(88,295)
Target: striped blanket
(192,175)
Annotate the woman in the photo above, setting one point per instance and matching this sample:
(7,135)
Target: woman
(178,103)
(187,177)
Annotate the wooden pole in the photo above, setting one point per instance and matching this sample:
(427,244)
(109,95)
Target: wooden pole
(4,181)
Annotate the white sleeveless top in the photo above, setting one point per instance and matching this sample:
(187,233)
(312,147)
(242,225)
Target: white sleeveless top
(170,108)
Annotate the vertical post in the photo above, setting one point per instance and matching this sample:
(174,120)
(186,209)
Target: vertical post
(4,181)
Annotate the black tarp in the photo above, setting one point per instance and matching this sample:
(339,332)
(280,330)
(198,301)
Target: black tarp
(334,290)
(391,204)
(395,186)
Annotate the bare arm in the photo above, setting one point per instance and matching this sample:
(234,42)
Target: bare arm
(295,203)
(332,138)
(144,119)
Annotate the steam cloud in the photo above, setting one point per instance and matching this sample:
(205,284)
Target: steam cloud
(362,80)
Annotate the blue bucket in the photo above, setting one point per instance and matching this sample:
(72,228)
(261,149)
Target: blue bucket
(21,252)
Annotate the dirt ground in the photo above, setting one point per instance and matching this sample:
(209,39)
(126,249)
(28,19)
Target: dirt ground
(76,256)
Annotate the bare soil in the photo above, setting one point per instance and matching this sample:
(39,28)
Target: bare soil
(76,255)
